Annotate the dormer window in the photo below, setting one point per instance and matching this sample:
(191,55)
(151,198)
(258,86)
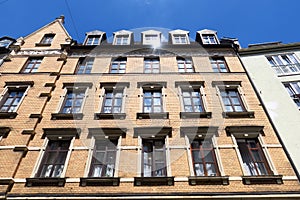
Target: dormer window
(123,37)
(95,37)
(151,37)
(93,40)
(5,42)
(179,37)
(207,37)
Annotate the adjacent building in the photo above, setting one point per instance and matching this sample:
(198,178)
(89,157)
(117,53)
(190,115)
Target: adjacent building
(274,69)
(160,117)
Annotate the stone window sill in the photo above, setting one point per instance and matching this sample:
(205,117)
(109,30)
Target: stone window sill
(162,115)
(185,115)
(209,180)
(246,114)
(100,181)
(110,116)
(8,115)
(264,179)
(32,182)
(153,181)
(75,116)
(42,45)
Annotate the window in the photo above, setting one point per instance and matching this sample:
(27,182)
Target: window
(54,158)
(12,99)
(73,101)
(185,65)
(232,100)
(118,66)
(180,39)
(154,158)
(284,64)
(233,103)
(93,40)
(113,101)
(5,43)
(204,159)
(192,101)
(254,161)
(209,39)
(293,89)
(104,158)
(219,64)
(121,40)
(151,39)
(32,65)
(47,39)
(85,66)
(257,169)
(152,101)
(151,65)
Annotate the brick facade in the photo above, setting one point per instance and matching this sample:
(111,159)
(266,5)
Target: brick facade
(39,120)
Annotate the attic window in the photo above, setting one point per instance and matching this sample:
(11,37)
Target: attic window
(47,39)
(121,40)
(209,39)
(180,39)
(152,39)
(93,40)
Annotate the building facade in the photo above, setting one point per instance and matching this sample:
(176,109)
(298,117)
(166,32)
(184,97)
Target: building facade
(126,119)
(274,69)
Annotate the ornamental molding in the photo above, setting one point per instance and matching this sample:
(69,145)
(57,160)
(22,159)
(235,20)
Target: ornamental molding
(38,52)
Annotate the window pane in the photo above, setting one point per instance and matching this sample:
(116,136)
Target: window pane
(157,109)
(199,169)
(188,108)
(147,102)
(187,101)
(156,101)
(108,102)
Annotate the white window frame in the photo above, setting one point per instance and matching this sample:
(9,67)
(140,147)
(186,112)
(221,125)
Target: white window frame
(93,37)
(42,153)
(103,92)
(180,37)
(240,92)
(216,151)
(185,62)
(122,38)
(290,88)
(62,98)
(208,41)
(6,92)
(167,153)
(281,66)
(263,147)
(119,61)
(91,150)
(202,96)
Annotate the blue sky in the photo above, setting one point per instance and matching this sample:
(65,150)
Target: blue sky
(252,21)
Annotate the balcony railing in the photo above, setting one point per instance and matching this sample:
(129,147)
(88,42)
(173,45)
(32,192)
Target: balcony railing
(287,69)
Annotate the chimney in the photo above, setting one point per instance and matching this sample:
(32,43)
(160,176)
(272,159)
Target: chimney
(61,19)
